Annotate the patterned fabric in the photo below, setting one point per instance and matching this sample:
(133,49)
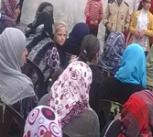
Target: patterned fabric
(70,93)
(8,14)
(94,11)
(42,121)
(133,66)
(113,50)
(44,54)
(137,115)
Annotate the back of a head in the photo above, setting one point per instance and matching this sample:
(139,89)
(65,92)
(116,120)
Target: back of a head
(90,47)
(43,5)
(133,66)
(42,121)
(79,31)
(12,44)
(113,50)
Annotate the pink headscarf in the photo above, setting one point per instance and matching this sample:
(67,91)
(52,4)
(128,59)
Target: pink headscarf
(70,93)
(41,121)
(8,10)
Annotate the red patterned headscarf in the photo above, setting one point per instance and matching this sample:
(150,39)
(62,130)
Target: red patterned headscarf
(42,121)
(8,7)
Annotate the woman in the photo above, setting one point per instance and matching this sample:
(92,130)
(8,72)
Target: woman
(130,77)
(141,26)
(94,15)
(47,54)
(113,50)
(137,115)
(73,43)
(42,122)
(10,11)
(60,35)
(15,86)
(69,95)
(44,15)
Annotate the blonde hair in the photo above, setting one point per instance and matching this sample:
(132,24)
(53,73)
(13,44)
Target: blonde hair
(59,25)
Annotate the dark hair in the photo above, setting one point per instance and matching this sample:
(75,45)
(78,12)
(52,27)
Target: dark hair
(89,47)
(140,5)
(43,5)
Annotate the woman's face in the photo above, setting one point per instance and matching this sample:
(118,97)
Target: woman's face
(24,55)
(60,36)
(146,5)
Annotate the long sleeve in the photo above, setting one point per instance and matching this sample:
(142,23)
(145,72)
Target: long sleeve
(149,31)
(133,21)
(106,15)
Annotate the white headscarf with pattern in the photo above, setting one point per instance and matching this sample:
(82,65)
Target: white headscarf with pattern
(42,121)
(70,93)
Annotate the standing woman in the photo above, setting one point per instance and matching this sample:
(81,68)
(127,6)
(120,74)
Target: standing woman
(141,26)
(10,11)
(15,87)
(94,15)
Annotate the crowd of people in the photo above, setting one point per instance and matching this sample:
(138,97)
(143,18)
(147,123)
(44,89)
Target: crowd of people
(76,76)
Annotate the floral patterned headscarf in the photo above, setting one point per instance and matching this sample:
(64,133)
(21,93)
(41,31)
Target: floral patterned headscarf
(70,93)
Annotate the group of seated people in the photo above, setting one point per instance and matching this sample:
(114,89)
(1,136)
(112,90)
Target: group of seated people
(69,106)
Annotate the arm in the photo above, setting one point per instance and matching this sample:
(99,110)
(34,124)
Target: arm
(106,15)
(149,31)
(132,26)
(101,12)
(127,20)
(87,9)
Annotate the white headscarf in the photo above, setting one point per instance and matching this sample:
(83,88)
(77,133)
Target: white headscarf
(70,93)
(41,121)
(14,85)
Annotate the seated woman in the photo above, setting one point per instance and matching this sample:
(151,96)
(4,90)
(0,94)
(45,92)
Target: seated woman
(44,16)
(69,95)
(130,77)
(49,55)
(15,86)
(10,11)
(73,43)
(113,49)
(137,115)
(42,121)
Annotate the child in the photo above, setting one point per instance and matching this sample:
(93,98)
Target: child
(94,14)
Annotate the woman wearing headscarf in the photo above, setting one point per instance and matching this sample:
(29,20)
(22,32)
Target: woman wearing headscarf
(130,77)
(44,16)
(10,11)
(73,43)
(137,115)
(15,86)
(113,49)
(69,95)
(49,54)
(42,121)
